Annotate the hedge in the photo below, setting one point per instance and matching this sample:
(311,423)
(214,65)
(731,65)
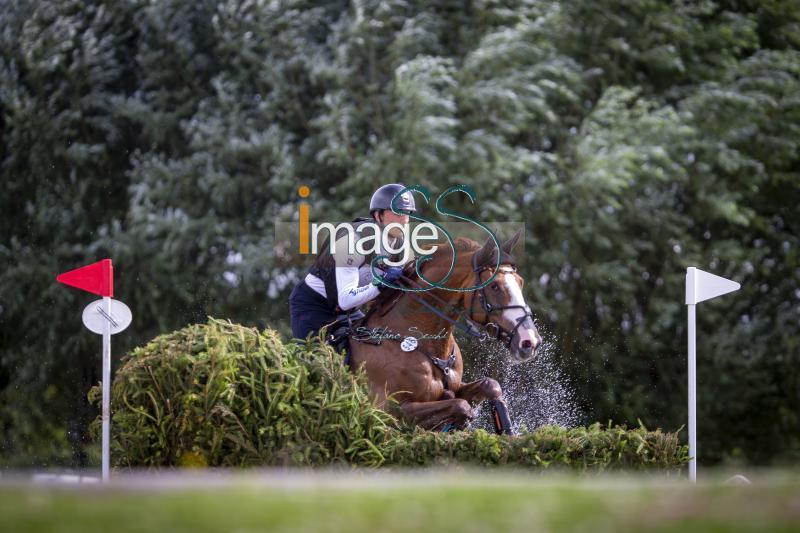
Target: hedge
(221,394)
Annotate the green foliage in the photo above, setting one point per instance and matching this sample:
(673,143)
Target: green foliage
(222,394)
(582,448)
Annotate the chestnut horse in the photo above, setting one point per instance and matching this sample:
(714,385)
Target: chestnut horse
(424,373)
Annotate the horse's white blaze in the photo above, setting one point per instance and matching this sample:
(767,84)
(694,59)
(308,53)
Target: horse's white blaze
(512,315)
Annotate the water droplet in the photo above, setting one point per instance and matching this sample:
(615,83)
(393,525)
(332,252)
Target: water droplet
(536,392)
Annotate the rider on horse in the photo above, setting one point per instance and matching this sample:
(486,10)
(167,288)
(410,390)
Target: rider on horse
(423,375)
(337,284)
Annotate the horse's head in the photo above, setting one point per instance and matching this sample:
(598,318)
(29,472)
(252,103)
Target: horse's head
(500,306)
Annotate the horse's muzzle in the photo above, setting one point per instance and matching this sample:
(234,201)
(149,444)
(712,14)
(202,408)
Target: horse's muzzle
(523,346)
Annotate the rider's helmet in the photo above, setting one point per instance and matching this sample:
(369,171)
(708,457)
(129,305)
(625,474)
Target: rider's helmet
(382,199)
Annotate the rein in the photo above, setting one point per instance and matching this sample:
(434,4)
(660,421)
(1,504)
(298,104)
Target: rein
(470,327)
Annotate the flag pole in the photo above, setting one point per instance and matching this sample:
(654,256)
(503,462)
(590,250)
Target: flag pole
(692,394)
(106,410)
(700,286)
(104,317)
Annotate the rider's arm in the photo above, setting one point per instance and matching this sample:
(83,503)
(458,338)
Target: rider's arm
(350,294)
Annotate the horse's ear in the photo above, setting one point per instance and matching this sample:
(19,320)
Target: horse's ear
(487,255)
(508,246)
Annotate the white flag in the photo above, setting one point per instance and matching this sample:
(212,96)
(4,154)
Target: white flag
(702,285)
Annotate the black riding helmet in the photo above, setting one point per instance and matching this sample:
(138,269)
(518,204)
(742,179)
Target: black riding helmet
(382,199)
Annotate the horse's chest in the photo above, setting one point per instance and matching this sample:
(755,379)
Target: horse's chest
(423,380)
(409,375)
(438,381)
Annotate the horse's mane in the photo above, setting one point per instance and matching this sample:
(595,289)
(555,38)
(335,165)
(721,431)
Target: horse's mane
(464,244)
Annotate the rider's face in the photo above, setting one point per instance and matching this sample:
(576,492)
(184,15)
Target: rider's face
(387,217)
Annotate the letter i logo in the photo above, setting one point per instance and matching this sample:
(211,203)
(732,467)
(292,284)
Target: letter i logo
(305,208)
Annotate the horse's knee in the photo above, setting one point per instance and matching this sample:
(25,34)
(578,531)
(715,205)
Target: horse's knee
(491,389)
(462,412)
(447,395)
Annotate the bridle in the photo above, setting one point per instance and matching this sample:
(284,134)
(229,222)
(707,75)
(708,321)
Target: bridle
(500,334)
(470,325)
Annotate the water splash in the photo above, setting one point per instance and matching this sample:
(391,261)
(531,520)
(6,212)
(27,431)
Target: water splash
(536,392)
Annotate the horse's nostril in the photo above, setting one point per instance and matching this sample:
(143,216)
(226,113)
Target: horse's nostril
(525,344)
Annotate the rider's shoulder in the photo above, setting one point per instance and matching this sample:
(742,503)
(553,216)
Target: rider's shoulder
(345,254)
(363,223)
(344,248)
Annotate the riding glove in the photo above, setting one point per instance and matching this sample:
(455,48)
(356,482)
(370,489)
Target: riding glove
(391,274)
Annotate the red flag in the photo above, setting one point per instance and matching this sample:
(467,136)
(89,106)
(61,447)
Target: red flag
(97,278)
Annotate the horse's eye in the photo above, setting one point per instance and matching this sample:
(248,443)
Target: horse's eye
(495,287)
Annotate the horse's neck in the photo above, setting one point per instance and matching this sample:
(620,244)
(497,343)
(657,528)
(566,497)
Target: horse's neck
(409,309)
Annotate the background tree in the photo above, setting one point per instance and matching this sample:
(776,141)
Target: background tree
(633,139)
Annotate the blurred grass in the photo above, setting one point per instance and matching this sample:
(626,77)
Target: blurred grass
(476,502)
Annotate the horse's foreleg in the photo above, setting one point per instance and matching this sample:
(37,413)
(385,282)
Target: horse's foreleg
(477,391)
(437,415)
(488,389)
(500,417)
